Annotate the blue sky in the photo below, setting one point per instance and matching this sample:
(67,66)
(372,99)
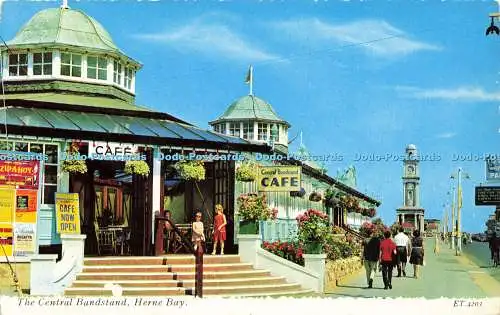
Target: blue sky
(354,77)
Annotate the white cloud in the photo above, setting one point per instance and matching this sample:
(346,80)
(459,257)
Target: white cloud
(446,135)
(210,38)
(475,94)
(376,36)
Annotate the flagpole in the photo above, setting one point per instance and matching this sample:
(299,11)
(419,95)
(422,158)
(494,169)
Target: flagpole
(251,81)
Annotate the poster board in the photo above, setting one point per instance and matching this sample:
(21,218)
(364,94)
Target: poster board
(19,203)
(68,213)
(7,208)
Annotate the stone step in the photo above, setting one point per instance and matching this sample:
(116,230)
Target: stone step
(251,289)
(181,283)
(299,293)
(166,268)
(129,291)
(117,276)
(161,260)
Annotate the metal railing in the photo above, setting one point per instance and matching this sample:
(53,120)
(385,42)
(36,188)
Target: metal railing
(198,255)
(283,230)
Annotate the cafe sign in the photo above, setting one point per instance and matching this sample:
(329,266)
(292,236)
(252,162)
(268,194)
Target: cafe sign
(279,178)
(111,148)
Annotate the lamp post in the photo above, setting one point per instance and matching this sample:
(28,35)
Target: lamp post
(458,176)
(453,226)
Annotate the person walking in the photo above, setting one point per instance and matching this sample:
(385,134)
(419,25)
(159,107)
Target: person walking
(388,252)
(219,232)
(403,249)
(417,253)
(371,253)
(436,246)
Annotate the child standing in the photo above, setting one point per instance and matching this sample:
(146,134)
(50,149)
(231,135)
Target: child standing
(219,229)
(198,235)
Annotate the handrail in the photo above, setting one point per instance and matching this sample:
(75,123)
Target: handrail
(198,254)
(353,232)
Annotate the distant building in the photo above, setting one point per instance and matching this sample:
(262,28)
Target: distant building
(411,212)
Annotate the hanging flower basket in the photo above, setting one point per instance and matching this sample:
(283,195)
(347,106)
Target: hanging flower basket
(301,193)
(191,170)
(315,196)
(73,164)
(249,227)
(246,172)
(372,212)
(137,167)
(330,199)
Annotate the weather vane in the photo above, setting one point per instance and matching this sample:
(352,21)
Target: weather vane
(493,28)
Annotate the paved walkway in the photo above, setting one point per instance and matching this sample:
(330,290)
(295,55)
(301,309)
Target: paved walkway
(445,275)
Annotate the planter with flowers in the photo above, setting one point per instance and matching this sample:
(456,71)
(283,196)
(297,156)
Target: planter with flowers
(301,193)
(291,251)
(315,196)
(252,208)
(313,229)
(137,167)
(246,172)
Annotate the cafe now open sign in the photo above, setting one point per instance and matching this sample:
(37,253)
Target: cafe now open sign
(279,178)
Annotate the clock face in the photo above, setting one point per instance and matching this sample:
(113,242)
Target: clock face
(411,169)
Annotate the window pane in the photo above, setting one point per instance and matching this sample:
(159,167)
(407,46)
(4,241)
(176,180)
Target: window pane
(23,70)
(103,62)
(65,58)
(23,58)
(13,70)
(47,69)
(77,59)
(7,146)
(91,73)
(36,147)
(13,59)
(50,174)
(47,57)
(22,146)
(76,72)
(37,70)
(92,61)
(37,58)
(65,70)
(103,75)
(51,152)
(49,194)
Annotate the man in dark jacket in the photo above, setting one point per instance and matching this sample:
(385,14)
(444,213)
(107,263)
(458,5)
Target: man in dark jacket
(371,253)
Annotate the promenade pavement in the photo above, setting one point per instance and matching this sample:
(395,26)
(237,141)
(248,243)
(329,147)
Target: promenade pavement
(444,275)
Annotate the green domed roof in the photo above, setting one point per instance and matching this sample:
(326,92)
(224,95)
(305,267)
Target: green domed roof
(251,107)
(64,26)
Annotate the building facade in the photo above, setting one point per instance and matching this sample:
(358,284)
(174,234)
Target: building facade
(254,119)
(65,82)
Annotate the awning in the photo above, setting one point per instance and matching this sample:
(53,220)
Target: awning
(70,124)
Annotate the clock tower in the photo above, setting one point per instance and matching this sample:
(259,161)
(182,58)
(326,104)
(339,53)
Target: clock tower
(411,212)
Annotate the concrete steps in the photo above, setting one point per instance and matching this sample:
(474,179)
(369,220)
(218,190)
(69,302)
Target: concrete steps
(174,275)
